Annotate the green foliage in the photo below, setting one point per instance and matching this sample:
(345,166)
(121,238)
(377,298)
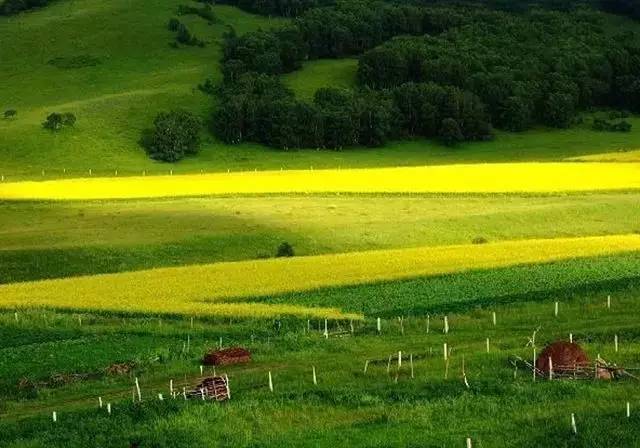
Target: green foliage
(450,132)
(205,11)
(285,249)
(10,113)
(173,24)
(183,35)
(10,7)
(175,135)
(57,121)
(491,67)
(600,124)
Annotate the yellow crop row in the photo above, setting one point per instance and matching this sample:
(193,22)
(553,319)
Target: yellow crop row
(477,178)
(228,288)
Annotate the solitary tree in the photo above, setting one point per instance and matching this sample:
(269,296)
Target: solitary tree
(175,134)
(285,250)
(56,121)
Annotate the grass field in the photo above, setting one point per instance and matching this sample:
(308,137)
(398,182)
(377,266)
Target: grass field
(338,73)
(384,407)
(109,258)
(482,178)
(49,240)
(207,289)
(138,75)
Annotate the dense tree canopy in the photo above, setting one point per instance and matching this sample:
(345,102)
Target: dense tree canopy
(540,67)
(450,72)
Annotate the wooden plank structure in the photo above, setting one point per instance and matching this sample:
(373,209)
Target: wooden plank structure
(215,388)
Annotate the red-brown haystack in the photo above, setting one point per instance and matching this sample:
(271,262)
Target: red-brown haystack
(234,355)
(566,357)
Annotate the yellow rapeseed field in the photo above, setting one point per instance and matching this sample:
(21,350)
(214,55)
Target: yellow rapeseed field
(476,178)
(227,288)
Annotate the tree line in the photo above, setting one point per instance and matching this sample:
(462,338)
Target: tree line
(445,72)
(259,108)
(538,68)
(10,7)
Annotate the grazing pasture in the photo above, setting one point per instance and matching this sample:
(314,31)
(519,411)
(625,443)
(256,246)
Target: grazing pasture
(60,239)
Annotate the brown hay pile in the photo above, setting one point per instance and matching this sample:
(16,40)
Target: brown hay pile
(234,355)
(566,357)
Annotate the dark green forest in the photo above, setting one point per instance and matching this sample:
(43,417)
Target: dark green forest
(447,72)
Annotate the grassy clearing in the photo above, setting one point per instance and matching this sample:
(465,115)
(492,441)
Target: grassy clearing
(50,240)
(377,409)
(338,73)
(485,178)
(207,289)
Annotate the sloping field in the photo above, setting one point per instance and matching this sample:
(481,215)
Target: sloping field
(618,156)
(206,289)
(483,178)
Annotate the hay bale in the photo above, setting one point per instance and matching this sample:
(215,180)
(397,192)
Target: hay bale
(234,355)
(566,357)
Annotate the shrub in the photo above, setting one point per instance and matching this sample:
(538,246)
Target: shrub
(285,250)
(173,24)
(450,132)
(56,121)
(185,37)
(10,113)
(479,240)
(174,135)
(603,125)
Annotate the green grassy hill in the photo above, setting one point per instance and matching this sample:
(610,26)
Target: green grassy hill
(137,74)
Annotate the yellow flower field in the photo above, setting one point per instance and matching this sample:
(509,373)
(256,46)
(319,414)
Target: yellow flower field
(227,288)
(476,178)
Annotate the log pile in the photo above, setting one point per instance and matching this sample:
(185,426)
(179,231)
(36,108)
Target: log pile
(214,388)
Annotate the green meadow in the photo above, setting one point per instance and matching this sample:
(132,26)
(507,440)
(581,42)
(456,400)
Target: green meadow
(50,239)
(113,65)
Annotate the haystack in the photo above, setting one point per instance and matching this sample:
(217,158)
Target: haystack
(566,358)
(234,355)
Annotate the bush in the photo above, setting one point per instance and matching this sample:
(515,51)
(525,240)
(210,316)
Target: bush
(185,37)
(450,132)
(479,240)
(173,24)
(603,125)
(285,250)
(56,121)
(175,134)
(10,113)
